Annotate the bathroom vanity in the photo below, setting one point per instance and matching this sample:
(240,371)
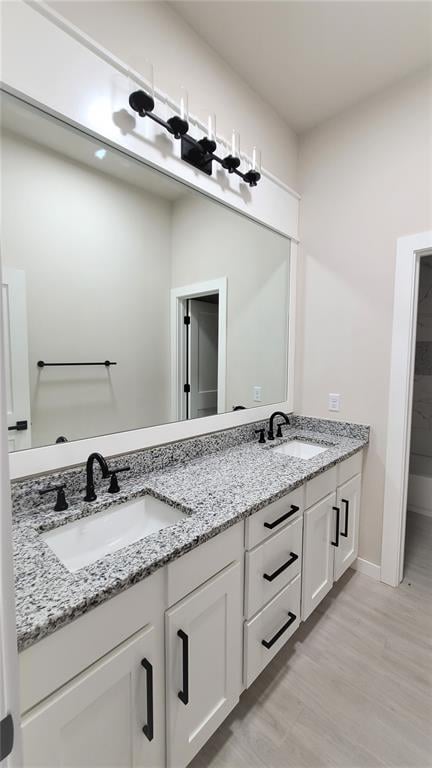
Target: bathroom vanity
(181,621)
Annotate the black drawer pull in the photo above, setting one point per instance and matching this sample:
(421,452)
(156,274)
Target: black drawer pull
(275,638)
(280,520)
(184,694)
(337,510)
(345,532)
(275,574)
(148,728)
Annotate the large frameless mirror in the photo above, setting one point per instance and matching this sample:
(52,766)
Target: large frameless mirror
(129,300)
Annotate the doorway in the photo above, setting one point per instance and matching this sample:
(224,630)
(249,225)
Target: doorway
(411,250)
(198,342)
(418,537)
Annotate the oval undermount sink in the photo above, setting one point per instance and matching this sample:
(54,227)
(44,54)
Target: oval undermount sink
(90,538)
(299,449)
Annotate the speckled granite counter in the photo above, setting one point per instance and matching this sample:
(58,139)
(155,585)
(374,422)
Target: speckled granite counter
(214,490)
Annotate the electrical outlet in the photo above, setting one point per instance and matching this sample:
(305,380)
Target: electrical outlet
(333,402)
(257,394)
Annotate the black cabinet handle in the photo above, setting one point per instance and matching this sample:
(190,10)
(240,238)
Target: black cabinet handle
(275,574)
(280,520)
(345,532)
(184,694)
(20,426)
(148,728)
(279,633)
(337,510)
(6,736)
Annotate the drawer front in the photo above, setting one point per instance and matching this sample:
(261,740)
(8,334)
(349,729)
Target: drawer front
(349,468)
(191,570)
(272,565)
(273,517)
(320,486)
(265,635)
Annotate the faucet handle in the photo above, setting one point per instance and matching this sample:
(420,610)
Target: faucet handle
(61,503)
(114,486)
(260,432)
(279,429)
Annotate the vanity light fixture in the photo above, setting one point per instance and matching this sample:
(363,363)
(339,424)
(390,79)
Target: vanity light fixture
(202,152)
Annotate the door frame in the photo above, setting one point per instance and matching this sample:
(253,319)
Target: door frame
(9,669)
(179,296)
(410,249)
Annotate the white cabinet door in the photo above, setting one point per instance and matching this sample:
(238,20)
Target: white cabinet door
(203,643)
(318,553)
(98,719)
(348,501)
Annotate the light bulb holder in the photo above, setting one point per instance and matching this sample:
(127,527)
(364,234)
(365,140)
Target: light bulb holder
(141,102)
(208,145)
(200,154)
(252,178)
(231,163)
(177,126)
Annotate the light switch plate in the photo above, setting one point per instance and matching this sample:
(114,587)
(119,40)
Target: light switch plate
(257,394)
(333,402)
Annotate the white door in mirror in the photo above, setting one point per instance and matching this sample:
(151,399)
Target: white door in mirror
(84,541)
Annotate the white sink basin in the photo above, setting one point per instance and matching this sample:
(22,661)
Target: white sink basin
(86,540)
(299,449)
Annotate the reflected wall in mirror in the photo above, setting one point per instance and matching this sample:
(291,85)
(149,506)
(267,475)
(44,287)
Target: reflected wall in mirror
(105,259)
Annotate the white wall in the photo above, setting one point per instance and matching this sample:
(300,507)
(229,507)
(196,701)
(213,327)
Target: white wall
(365,180)
(96,253)
(210,241)
(140,30)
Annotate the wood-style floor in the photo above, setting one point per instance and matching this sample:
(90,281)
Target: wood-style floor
(353,686)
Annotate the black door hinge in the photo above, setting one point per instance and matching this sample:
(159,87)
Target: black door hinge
(186,389)
(186,320)
(6,736)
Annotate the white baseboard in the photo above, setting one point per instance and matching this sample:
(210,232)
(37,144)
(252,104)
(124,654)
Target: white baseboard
(369,569)
(420,510)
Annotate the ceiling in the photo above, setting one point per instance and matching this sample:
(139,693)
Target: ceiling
(313,59)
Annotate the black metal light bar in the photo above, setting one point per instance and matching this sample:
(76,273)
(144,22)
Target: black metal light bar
(43,364)
(201,153)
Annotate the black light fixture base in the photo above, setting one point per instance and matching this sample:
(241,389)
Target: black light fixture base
(192,152)
(141,102)
(178,126)
(252,178)
(231,163)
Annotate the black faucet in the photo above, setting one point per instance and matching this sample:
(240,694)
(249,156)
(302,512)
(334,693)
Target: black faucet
(90,491)
(270,433)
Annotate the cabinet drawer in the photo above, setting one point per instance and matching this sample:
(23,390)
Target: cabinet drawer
(277,514)
(271,565)
(191,570)
(350,467)
(320,486)
(265,635)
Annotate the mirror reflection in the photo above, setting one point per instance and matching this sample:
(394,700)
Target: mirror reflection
(129,300)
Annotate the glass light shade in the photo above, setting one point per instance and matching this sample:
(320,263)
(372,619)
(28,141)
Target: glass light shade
(256,160)
(211,127)
(148,76)
(144,78)
(235,143)
(184,104)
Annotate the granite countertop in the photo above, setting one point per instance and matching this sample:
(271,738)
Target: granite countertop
(214,491)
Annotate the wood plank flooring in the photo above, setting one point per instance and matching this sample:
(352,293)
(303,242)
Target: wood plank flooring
(353,686)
